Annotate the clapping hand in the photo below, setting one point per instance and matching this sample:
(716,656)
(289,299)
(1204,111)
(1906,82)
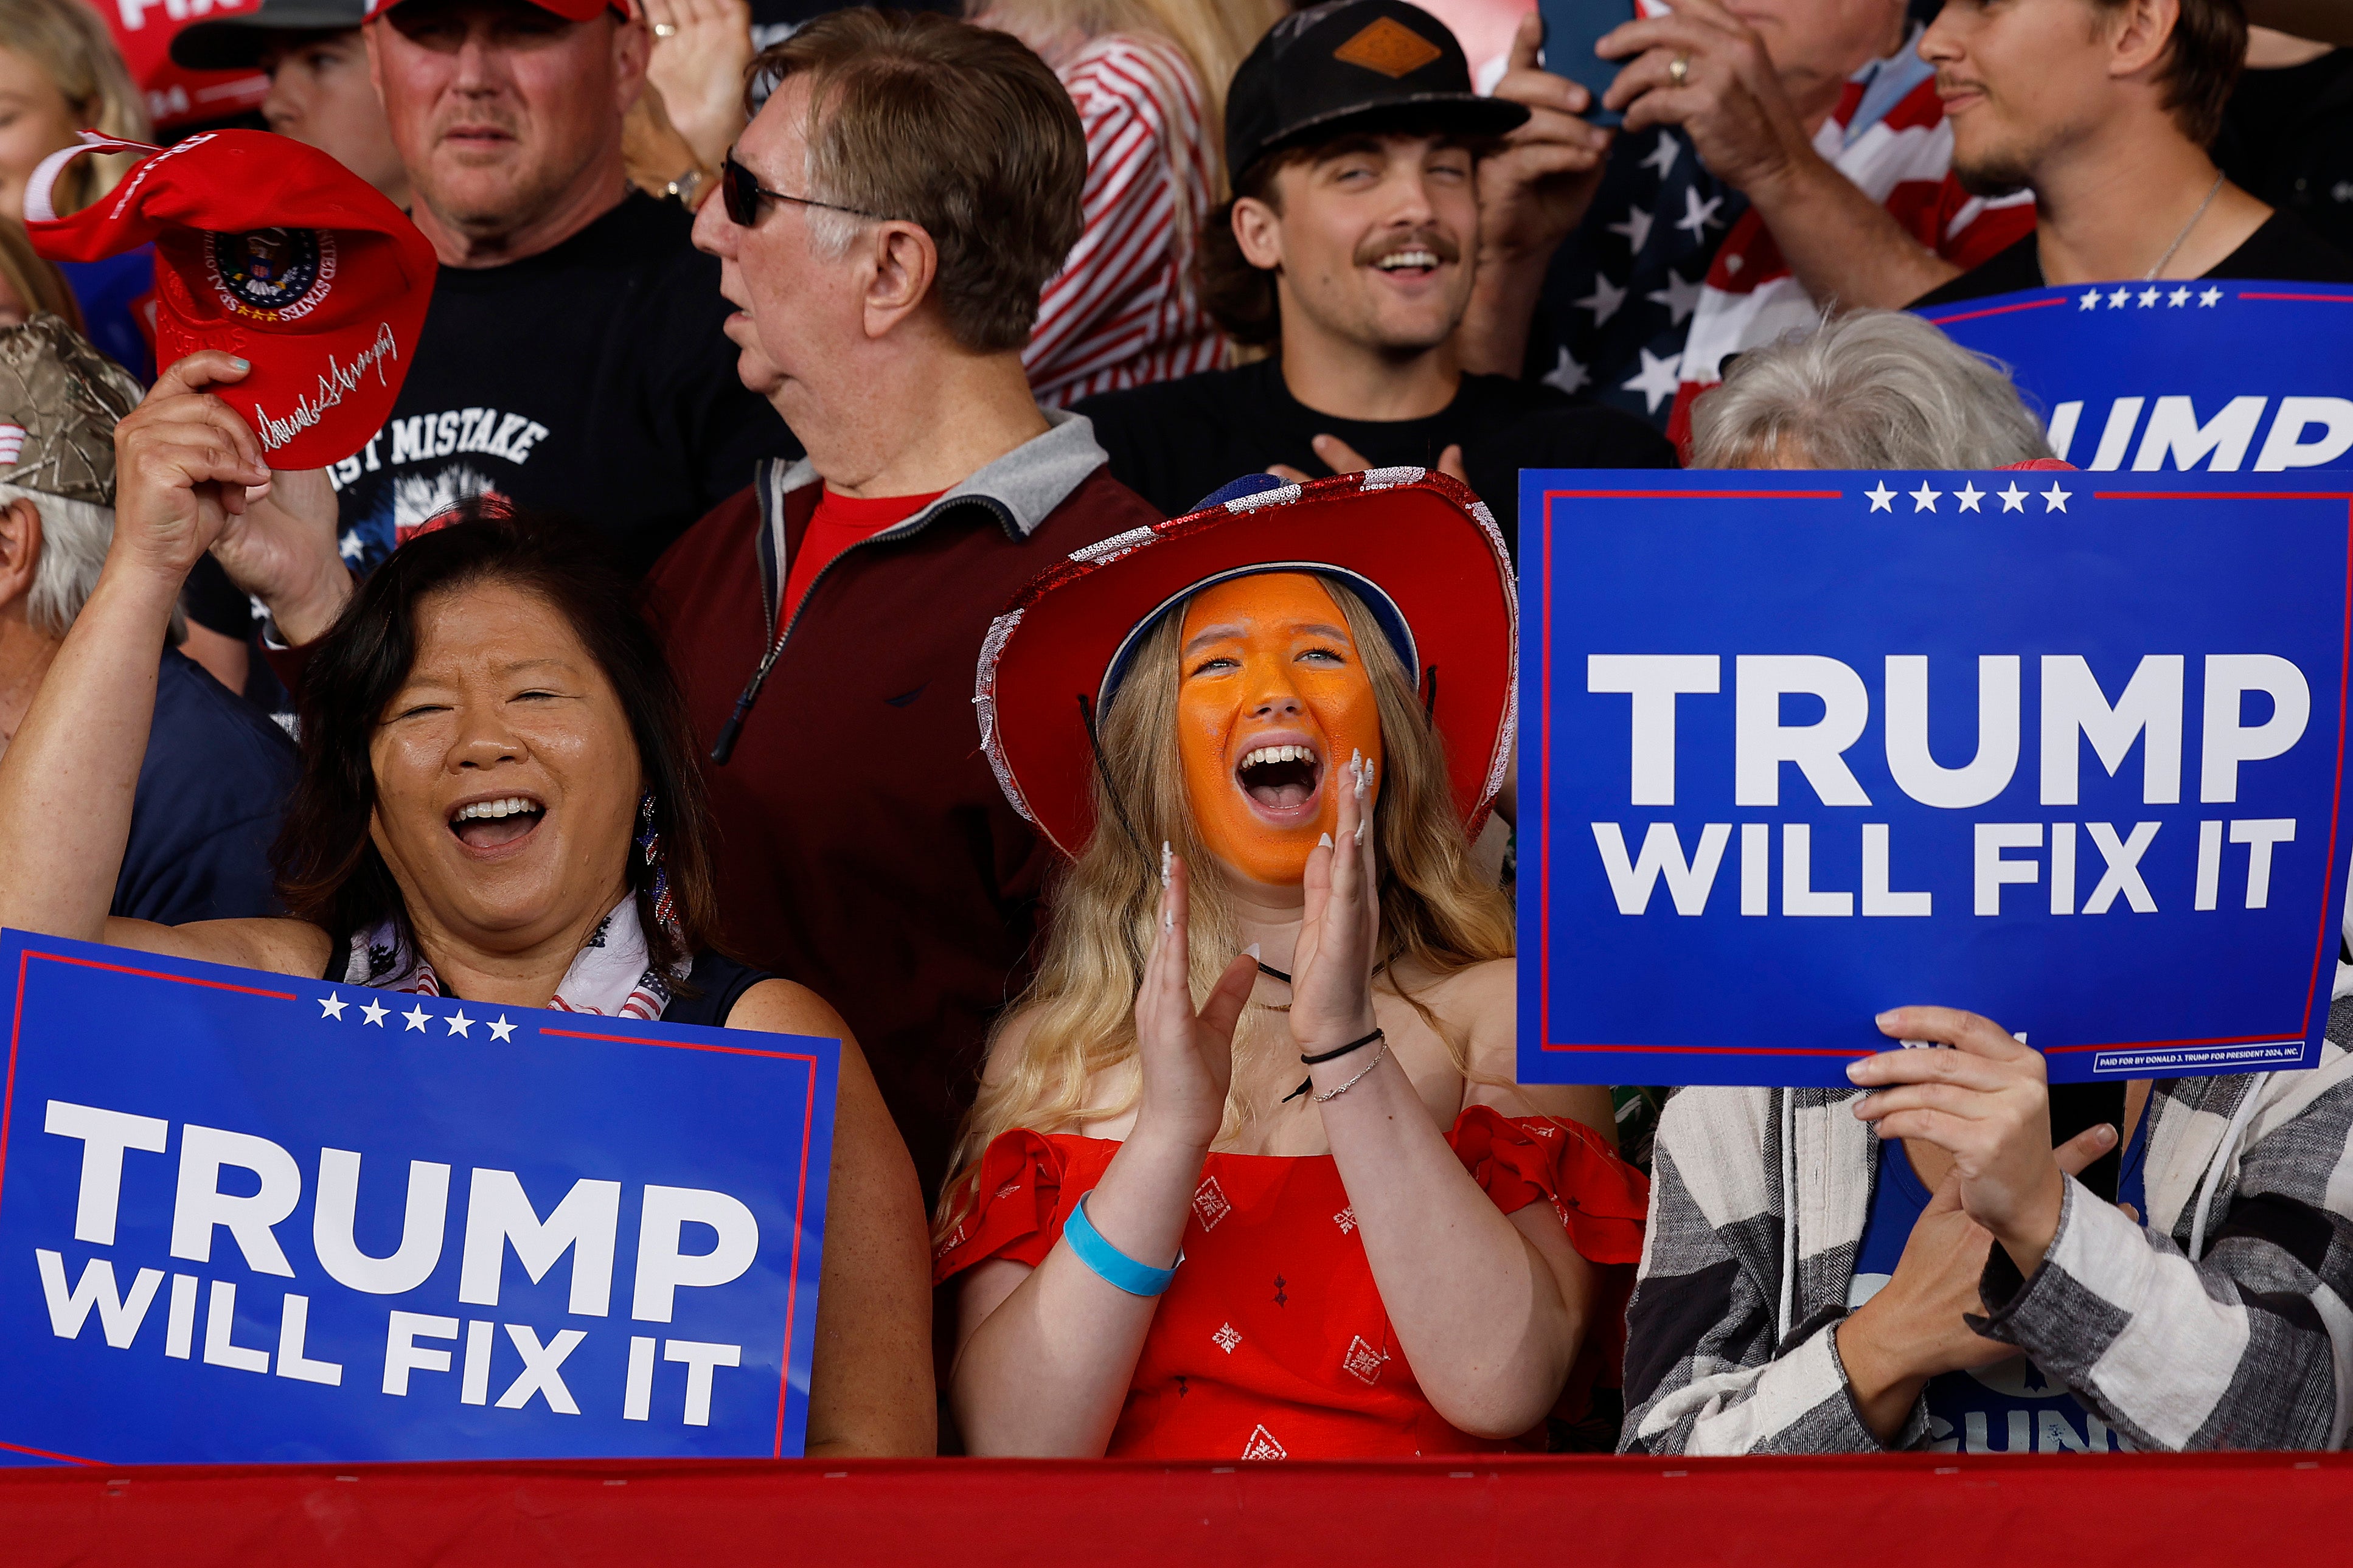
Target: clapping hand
(1187,1056)
(1332,966)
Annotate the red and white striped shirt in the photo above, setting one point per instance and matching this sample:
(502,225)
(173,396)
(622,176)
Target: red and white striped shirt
(1904,161)
(1122,311)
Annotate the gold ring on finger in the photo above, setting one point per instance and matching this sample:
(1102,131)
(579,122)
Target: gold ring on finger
(1678,68)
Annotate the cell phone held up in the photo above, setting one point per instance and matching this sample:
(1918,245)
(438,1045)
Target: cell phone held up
(1571,28)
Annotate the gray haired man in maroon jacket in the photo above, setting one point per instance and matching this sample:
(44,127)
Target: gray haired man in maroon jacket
(883,229)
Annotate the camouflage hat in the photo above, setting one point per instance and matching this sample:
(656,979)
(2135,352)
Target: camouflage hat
(59,401)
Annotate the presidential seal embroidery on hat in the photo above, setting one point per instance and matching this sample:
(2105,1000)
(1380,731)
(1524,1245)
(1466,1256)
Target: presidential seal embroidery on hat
(270,250)
(271,274)
(1390,47)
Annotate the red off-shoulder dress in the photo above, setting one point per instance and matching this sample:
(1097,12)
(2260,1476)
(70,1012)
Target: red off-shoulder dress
(1272,1343)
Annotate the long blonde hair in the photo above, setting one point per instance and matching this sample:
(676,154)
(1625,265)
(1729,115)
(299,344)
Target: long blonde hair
(1438,916)
(68,41)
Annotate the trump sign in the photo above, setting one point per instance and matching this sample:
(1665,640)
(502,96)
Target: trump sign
(251,1217)
(2060,749)
(2227,376)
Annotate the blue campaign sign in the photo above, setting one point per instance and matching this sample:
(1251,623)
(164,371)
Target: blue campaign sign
(2060,749)
(252,1217)
(2227,376)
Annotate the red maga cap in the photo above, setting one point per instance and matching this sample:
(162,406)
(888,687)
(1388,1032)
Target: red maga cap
(278,254)
(1416,547)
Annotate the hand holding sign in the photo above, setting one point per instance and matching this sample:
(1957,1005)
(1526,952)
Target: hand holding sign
(1986,1102)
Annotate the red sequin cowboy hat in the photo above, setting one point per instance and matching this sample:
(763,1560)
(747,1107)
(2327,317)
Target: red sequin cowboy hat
(1415,546)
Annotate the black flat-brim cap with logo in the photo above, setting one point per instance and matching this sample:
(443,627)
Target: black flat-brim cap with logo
(1353,65)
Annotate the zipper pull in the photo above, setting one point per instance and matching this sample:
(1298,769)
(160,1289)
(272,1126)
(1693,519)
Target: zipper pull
(724,747)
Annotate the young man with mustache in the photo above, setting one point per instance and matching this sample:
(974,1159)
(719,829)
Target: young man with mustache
(2105,109)
(1349,251)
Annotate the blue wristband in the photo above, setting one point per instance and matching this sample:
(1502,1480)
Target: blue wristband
(1111,1265)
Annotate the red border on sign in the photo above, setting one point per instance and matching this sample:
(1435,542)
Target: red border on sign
(1542,707)
(800,1200)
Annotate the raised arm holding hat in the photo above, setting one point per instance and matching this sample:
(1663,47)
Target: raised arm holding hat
(212,787)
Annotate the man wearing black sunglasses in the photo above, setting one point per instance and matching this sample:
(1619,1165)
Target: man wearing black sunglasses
(884,228)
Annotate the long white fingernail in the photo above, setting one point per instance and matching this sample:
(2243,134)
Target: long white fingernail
(1166,856)
(1251,952)
(1168,919)
(1325,841)
(1360,830)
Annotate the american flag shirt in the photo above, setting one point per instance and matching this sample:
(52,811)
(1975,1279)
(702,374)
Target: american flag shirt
(1122,311)
(1672,272)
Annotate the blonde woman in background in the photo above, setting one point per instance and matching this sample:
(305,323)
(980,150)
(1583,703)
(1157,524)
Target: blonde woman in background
(1149,79)
(60,73)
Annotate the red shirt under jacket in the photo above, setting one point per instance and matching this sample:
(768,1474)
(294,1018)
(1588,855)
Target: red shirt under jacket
(864,848)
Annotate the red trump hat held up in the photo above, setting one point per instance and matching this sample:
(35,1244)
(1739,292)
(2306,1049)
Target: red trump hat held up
(276,253)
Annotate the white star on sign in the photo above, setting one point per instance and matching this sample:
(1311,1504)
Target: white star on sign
(417,1017)
(1698,215)
(1568,375)
(372,1014)
(1968,495)
(2209,297)
(1680,298)
(2116,300)
(2012,499)
(1881,498)
(1636,228)
(2054,498)
(332,1006)
(1923,498)
(1604,298)
(502,1031)
(350,546)
(2149,297)
(1663,153)
(2091,300)
(2178,299)
(1657,379)
(460,1024)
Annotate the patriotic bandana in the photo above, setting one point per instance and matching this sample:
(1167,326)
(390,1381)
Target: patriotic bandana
(612,977)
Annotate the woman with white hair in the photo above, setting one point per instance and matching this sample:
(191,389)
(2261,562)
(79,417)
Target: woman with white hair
(1870,389)
(1928,1260)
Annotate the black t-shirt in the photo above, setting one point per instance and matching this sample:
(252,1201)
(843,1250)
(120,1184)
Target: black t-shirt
(2287,137)
(2282,247)
(1175,442)
(591,380)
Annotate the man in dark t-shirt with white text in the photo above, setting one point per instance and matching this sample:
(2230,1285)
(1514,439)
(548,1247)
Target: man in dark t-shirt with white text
(573,359)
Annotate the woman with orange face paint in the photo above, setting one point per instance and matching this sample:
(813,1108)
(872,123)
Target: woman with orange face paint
(1311,1217)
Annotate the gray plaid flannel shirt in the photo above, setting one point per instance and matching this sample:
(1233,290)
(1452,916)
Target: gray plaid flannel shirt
(2246,1347)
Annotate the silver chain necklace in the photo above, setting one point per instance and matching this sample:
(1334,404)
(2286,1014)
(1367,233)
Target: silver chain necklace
(2212,191)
